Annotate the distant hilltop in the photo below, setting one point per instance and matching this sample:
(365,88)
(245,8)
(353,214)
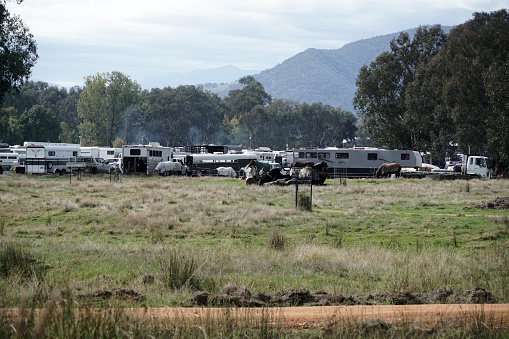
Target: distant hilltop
(314,75)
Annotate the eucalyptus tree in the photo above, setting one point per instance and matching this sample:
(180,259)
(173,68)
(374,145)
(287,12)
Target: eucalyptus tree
(241,101)
(476,55)
(381,88)
(18,51)
(245,104)
(40,124)
(102,106)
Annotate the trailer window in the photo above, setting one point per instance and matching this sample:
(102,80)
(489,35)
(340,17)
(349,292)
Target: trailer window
(302,155)
(372,156)
(311,155)
(157,154)
(135,151)
(110,152)
(323,155)
(51,153)
(405,156)
(342,155)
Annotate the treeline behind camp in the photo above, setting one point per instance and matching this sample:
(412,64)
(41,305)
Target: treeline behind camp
(112,109)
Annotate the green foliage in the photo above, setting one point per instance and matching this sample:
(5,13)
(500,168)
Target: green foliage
(478,98)
(381,94)
(420,96)
(40,124)
(186,115)
(102,106)
(19,52)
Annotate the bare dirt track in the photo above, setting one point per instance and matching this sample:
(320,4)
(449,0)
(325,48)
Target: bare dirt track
(305,317)
(308,317)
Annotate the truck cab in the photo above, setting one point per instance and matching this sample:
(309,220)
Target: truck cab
(476,166)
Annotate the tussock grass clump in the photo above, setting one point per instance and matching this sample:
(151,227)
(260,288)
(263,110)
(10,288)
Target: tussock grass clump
(178,270)
(14,259)
(277,241)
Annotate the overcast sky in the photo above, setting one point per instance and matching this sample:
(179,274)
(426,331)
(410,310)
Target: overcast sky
(147,38)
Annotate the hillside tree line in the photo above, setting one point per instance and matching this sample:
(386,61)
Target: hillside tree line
(441,93)
(112,109)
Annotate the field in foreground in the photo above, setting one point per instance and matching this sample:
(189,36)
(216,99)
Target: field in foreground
(168,241)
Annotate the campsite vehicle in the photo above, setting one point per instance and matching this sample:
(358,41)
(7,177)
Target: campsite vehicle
(95,164)
(357,162)
(144,158)
(7,160)
(471,166)
(108,153)
(174,166)
(50,158)
(102,152)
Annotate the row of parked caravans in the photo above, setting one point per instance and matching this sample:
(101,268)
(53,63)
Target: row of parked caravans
(55,158)
(58,158)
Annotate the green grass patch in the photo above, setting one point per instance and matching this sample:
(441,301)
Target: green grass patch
(363,237)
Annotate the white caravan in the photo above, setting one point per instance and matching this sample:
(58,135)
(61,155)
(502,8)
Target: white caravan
(50,158)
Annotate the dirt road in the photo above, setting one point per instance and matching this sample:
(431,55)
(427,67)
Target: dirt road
(305,317)
(494,315)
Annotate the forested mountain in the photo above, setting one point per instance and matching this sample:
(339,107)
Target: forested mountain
(320,75)
(326,76)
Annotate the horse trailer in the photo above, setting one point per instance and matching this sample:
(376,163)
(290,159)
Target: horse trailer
(357,162)
(144,158)
(50,158)
(207,164)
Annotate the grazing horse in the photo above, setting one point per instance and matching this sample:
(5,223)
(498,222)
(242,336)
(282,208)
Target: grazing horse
(388,169)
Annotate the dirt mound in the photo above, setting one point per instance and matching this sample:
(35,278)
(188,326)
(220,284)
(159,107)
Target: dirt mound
(476,295)
(232,295)
(117,293)
(500,203)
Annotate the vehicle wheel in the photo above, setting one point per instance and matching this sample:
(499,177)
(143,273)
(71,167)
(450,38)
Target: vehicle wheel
(57,171)
(93,170)
(63,172)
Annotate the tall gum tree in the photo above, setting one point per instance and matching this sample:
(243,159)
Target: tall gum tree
(381,87)
(103,104)
(18,51)
(477,54)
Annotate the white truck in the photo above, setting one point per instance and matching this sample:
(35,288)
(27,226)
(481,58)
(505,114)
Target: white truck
(96,164)
(471,166)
